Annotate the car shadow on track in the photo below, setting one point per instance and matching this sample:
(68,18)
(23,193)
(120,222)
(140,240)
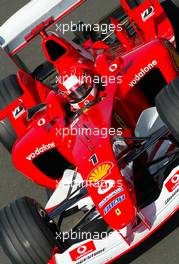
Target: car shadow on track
(163,232)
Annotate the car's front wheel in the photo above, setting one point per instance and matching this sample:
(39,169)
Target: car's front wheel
(167,103)
(25,233)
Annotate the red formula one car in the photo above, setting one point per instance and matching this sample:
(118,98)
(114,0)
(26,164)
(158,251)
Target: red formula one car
(104,135)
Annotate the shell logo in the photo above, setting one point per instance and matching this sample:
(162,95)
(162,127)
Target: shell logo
(100,171)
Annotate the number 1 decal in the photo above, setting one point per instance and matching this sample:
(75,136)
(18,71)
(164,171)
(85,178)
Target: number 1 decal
(94,159)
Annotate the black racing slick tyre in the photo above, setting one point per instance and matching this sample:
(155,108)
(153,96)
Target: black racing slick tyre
(10,90)
(171,8)
(25,234)
(7,134)
(167,103)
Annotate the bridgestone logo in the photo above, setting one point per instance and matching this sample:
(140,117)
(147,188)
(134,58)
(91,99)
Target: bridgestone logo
(90,256)
(171,197)
(40,150)
(142,73)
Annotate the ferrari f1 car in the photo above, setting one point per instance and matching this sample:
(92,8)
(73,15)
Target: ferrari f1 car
(108,148)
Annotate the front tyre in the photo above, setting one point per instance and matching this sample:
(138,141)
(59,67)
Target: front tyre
(25,235)
(167,103)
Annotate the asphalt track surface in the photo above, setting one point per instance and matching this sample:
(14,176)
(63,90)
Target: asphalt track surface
(162,248)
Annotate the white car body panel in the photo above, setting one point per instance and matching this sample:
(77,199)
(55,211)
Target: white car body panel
(14,30)
(114,245)
(61,193)
(148,122)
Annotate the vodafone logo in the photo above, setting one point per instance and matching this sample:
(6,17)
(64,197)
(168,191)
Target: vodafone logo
(142,73)
(175,178)
(41,122)
(86,102)
(113,67)
(173,183)
(82,251)
(105,186)
(40,150)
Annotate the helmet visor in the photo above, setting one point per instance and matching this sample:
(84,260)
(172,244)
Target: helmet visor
(81,92)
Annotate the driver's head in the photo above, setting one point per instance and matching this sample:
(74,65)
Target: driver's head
(80,90)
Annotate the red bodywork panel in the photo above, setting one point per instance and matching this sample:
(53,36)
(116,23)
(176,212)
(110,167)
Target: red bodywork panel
(127,65)
(150,19)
